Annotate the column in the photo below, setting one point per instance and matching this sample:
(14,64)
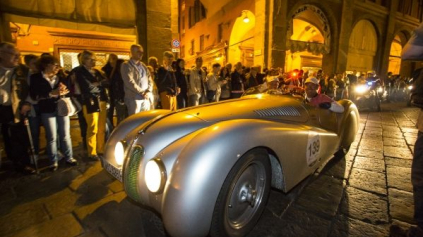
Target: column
(341,52)
(277,33)
(5,35)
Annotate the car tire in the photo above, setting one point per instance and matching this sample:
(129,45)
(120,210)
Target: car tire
(243,196)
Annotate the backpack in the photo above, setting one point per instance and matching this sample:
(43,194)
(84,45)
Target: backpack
(416,98)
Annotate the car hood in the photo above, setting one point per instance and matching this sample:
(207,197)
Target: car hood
(262,106)
(160,132)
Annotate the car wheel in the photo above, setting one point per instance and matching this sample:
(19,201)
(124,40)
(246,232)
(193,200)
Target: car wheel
(243,196)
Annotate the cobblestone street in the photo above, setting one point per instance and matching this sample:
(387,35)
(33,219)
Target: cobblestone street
(359,195)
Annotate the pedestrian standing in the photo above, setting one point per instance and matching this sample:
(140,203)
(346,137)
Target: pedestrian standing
(166,83)
(116,91)
(34,116)
(181,80)
(93,86)
(47,86)
(413,50)
(137,82)
(13,106)
(196,84)
(237,82)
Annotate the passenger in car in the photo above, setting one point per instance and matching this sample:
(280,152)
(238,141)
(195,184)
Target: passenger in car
(320,100)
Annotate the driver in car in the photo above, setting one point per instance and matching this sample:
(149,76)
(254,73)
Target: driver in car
(320,100)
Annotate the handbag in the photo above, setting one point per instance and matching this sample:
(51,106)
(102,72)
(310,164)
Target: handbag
(65,107)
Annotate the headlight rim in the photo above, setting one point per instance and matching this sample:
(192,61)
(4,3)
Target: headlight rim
(163,175)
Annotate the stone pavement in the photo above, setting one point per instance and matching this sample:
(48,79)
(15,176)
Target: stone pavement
(359,195)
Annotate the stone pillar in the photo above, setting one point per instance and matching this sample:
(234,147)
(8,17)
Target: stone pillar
(277,34)
(261,42)
(5,35)
(141,25)
(157,24)
(161,22)
(346,27)
(388,36)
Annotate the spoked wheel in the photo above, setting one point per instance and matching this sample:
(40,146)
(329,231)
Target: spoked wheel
(243,195)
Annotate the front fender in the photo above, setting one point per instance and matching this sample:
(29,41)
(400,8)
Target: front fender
(199,172)
(126,127)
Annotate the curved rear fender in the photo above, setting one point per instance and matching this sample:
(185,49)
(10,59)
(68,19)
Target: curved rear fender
(348,124)
(199,172)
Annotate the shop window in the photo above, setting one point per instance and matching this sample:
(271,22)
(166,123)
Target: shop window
(192,49)
(220,32)
(201,43)
(412,8)
(182,51)
(69,58)
(196,13)
(183,24)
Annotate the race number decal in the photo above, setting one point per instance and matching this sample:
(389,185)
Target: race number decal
(313,148)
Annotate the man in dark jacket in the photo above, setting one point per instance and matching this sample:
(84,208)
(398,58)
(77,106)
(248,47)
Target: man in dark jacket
(166,83)
(413,50)
(14,90)
(237,82)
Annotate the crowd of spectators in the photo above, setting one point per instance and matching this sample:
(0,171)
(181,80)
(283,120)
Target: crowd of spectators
(122,88)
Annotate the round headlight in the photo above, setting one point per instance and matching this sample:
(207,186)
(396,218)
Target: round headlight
(119,153)
(361,89)
(155,175)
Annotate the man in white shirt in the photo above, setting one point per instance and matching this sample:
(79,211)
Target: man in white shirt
(137,82)
(196,83)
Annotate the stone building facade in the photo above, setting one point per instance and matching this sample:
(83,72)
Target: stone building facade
(335,35)
(39,26)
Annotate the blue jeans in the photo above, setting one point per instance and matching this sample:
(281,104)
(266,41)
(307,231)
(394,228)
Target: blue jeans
(417,179)
(54,125)
(34,124)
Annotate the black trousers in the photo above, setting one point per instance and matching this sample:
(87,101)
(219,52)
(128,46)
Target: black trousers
(15,138)
(417,179)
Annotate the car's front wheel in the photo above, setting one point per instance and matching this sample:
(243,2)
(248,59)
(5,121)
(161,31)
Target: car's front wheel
(243,196)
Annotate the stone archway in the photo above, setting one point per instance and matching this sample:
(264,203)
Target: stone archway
(241,41)
(362,47)
(308,39)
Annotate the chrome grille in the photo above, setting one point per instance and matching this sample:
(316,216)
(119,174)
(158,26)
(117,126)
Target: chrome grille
(279,111)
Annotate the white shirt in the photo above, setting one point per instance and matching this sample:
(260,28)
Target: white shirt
(143,80)
(5,85)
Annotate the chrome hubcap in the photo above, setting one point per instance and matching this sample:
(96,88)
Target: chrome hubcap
(246,195)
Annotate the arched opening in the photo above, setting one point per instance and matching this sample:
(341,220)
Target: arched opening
(241,42)
(395,56)
(362,47)
(309,39)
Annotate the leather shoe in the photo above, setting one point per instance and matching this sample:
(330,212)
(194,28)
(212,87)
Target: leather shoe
(28,170)
(54,166)
(94,157)
(72,161)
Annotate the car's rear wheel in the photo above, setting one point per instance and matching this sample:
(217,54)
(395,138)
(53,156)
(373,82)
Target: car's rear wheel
(243,196)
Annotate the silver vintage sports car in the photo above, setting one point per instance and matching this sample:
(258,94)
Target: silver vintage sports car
(209,169)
